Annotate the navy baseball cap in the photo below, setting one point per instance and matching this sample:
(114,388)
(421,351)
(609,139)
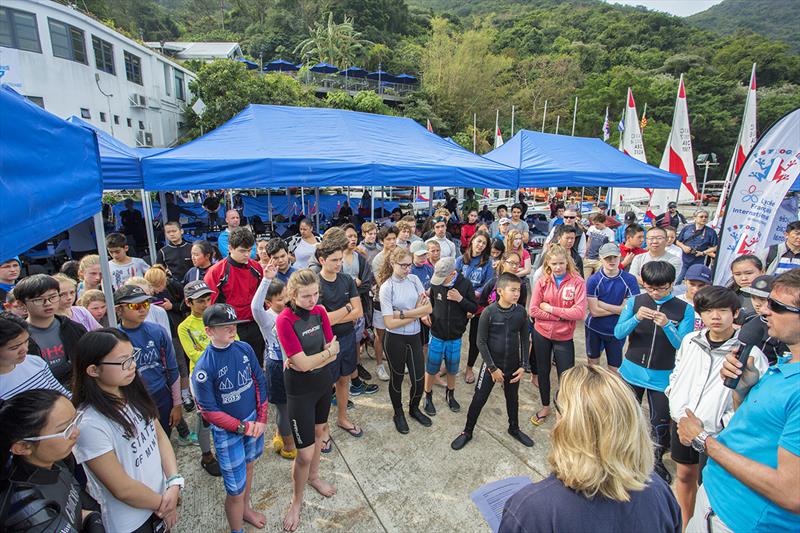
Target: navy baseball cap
(220,315)
(698,273)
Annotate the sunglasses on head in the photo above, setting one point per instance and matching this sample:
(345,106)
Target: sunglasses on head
(781,308)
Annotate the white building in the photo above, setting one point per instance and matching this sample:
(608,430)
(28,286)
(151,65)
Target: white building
(200,51)
(71,64)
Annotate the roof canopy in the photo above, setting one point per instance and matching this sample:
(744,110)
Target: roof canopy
(547,160)
(277,146)
(118,161)
(50,174)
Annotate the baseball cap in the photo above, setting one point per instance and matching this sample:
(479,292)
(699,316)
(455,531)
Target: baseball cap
(504,220)
(630,216)
(672,205)
(220,315)
(760,287)
(609,249)
(444,267)
(418,248)
(130,294)
(698,273)
(196,289)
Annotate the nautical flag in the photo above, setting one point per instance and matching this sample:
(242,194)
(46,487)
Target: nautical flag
(486,193)
(498,138)
(606,127)
(430,126)
(631,143)
(420,197)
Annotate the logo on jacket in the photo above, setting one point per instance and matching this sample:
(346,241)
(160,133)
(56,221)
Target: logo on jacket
(201,376)
(569,293)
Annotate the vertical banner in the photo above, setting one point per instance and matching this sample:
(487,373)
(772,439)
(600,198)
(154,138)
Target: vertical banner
(631,143)
(787,213)
(757,193)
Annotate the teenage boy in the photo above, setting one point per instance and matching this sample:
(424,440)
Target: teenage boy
(279,252)
(634,238)
(53,337)
(121,265)
(234,281)
(447,246)
(369,245)
(502,212)
(654,323)
(388,239)
(696,278)
(231,392)
(607,291)
(193,338)
(517,223)
(339,295)
(503,344)
(785,256)
(434,253)
(176,255)
(597,236)
(570,219)
(452,299)
(694,384)
(656,251)
(9,272)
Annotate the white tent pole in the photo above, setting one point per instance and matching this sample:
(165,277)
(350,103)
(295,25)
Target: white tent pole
(544,115)
(316,206)
(430,201)
(100,235)
(512,121)
(372,207)
(302,202)
(147,207)
(269,206)
(162,199)
(574,116)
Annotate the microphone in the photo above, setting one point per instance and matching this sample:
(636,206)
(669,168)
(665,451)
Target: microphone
(749,338)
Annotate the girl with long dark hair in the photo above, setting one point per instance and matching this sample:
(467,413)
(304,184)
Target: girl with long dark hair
(127,455)
(476,266)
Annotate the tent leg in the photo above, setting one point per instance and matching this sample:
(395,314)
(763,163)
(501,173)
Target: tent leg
(583,191)
(430,201)
(302,202)
(147,207)
(316,207)
(100,235)
(162,199)
(269,207)
(372,208)
(383,199)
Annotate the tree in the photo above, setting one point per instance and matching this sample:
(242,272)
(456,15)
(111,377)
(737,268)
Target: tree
(338,44)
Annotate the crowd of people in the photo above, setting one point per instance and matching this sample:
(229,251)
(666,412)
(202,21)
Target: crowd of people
(209,336)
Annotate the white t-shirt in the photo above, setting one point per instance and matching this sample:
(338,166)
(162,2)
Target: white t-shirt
(32,373)
(122,273)
(139,457)
(447,246)
(642,259)
(674,250)
(303,254)
(401,295)
(158,315)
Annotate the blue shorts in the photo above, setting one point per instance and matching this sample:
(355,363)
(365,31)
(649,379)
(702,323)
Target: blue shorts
(347,358)
(597,342)
(276,391)
(234,453)
(447,351)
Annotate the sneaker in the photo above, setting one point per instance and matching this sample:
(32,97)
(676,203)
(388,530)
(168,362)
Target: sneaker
(382,374)
(188,440)
(357,390)
(452,403)
(350,404)
(212,467)
(400,423)
(429,408)
(461,441)
(363,373)
(420,417)
(188,404)
(520,436)
(370,388)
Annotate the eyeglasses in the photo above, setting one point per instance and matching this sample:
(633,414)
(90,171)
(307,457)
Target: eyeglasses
(660,288)
(404,265)
(66,434)
(781,308)
(512,263)
(126,363)
(656,239)
(42,301)
(570,218)
(137,307)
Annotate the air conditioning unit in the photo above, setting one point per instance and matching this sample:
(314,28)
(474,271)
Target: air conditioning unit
(138,100)
(144,138)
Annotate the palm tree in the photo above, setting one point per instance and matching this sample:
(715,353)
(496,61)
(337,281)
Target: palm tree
(338,44)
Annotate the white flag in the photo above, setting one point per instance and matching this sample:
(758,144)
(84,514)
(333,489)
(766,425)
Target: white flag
(633,145)
(756,195)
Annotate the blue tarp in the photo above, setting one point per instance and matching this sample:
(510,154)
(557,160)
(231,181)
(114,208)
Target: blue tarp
(277,146)
(547,160)
(118,161)
(49,174)
(194,207)
(288,206)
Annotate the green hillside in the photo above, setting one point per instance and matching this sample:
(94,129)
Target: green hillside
(776,19)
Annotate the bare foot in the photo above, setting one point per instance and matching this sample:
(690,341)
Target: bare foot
(292,519)
(254,518)
(439,381)
(323,487)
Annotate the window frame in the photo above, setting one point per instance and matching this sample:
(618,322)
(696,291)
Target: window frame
(100,62)
(71,35)
(180,84)
(14,43)
(129,72)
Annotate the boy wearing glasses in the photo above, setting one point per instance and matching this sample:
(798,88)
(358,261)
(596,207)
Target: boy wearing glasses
(52,337)
(156,361)
(654,323)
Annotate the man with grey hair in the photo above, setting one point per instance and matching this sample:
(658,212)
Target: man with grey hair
(697,242)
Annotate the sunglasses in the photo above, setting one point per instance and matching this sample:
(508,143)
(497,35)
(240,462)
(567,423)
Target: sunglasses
(66,434)
(570,218)
(137,307)
(781,308)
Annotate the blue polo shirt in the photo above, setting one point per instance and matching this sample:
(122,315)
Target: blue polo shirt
(705,239)
(768,418)
(612,291)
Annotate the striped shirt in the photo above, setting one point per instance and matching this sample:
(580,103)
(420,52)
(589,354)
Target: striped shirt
(32,373)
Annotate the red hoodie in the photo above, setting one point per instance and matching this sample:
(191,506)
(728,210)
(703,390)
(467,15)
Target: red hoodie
(467,231)
(569,306)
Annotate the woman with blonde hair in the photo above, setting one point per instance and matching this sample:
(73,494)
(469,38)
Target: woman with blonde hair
(558,301)
(602,465)
(515,242)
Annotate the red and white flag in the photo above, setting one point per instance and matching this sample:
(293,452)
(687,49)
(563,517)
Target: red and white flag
(677,158)
(498,135)
(747,139)
(430,126)
(631,143)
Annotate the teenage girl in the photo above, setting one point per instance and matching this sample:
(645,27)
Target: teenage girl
(476,266)
(516,243)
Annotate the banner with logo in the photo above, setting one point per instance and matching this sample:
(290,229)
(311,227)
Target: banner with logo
(787,213)
(757,193)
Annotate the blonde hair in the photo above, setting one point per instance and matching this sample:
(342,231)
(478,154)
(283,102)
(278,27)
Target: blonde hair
(510,236)
(601,443)
(63,278)
(91,295)
(156,276)
(299,279)
(556,250)
(140,282)
(387,268)
(337,237)
(366,227)
(405,225)
(88,261)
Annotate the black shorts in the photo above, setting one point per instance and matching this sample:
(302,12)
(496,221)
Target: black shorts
(424,334)
(308,398)
(685,455)
(276,392)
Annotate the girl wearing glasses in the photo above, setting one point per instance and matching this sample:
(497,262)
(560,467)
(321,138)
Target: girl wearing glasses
(40,492)
(403,303)
(127,456)
(515,242)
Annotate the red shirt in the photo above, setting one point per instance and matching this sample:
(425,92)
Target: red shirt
(624,250)
(467,231)
(240,287)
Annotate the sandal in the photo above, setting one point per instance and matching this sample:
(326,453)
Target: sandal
(469,379)
(538,420)
(327,445)
(355,431)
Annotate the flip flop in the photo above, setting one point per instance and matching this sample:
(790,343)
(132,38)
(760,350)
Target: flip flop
(537,420)
(327,446)
(355,431)
(469,380)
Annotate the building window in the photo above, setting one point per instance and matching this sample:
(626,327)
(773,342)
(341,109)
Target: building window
(85,113)
(167,80)
(141,125)
(38,100)
(68,42)
(18,29)
(180,93)
(130,123)
(103,55)
(116,120)
(102,117)
(133,68)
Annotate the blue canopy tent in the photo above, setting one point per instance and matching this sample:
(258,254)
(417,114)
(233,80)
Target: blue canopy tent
(251,65)
(278,146)
(408,79)
(380,75)
(353,72)
(547,160)
(324,68)
(280,65)
(49,174)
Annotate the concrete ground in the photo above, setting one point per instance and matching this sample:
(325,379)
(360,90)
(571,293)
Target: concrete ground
(387,481)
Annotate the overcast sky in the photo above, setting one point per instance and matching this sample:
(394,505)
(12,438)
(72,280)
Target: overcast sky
(682,8)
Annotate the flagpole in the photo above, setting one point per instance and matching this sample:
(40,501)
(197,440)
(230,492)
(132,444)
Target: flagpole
(372,207)
(544,115)
(474,133)
(558,119)
(302,202)
(496,125)
(574,116)
(512,120)
(430,201)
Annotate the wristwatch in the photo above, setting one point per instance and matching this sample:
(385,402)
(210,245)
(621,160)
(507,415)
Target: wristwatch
(349,308)
(402,314)
(176,480)
(699,442)
(242,428)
